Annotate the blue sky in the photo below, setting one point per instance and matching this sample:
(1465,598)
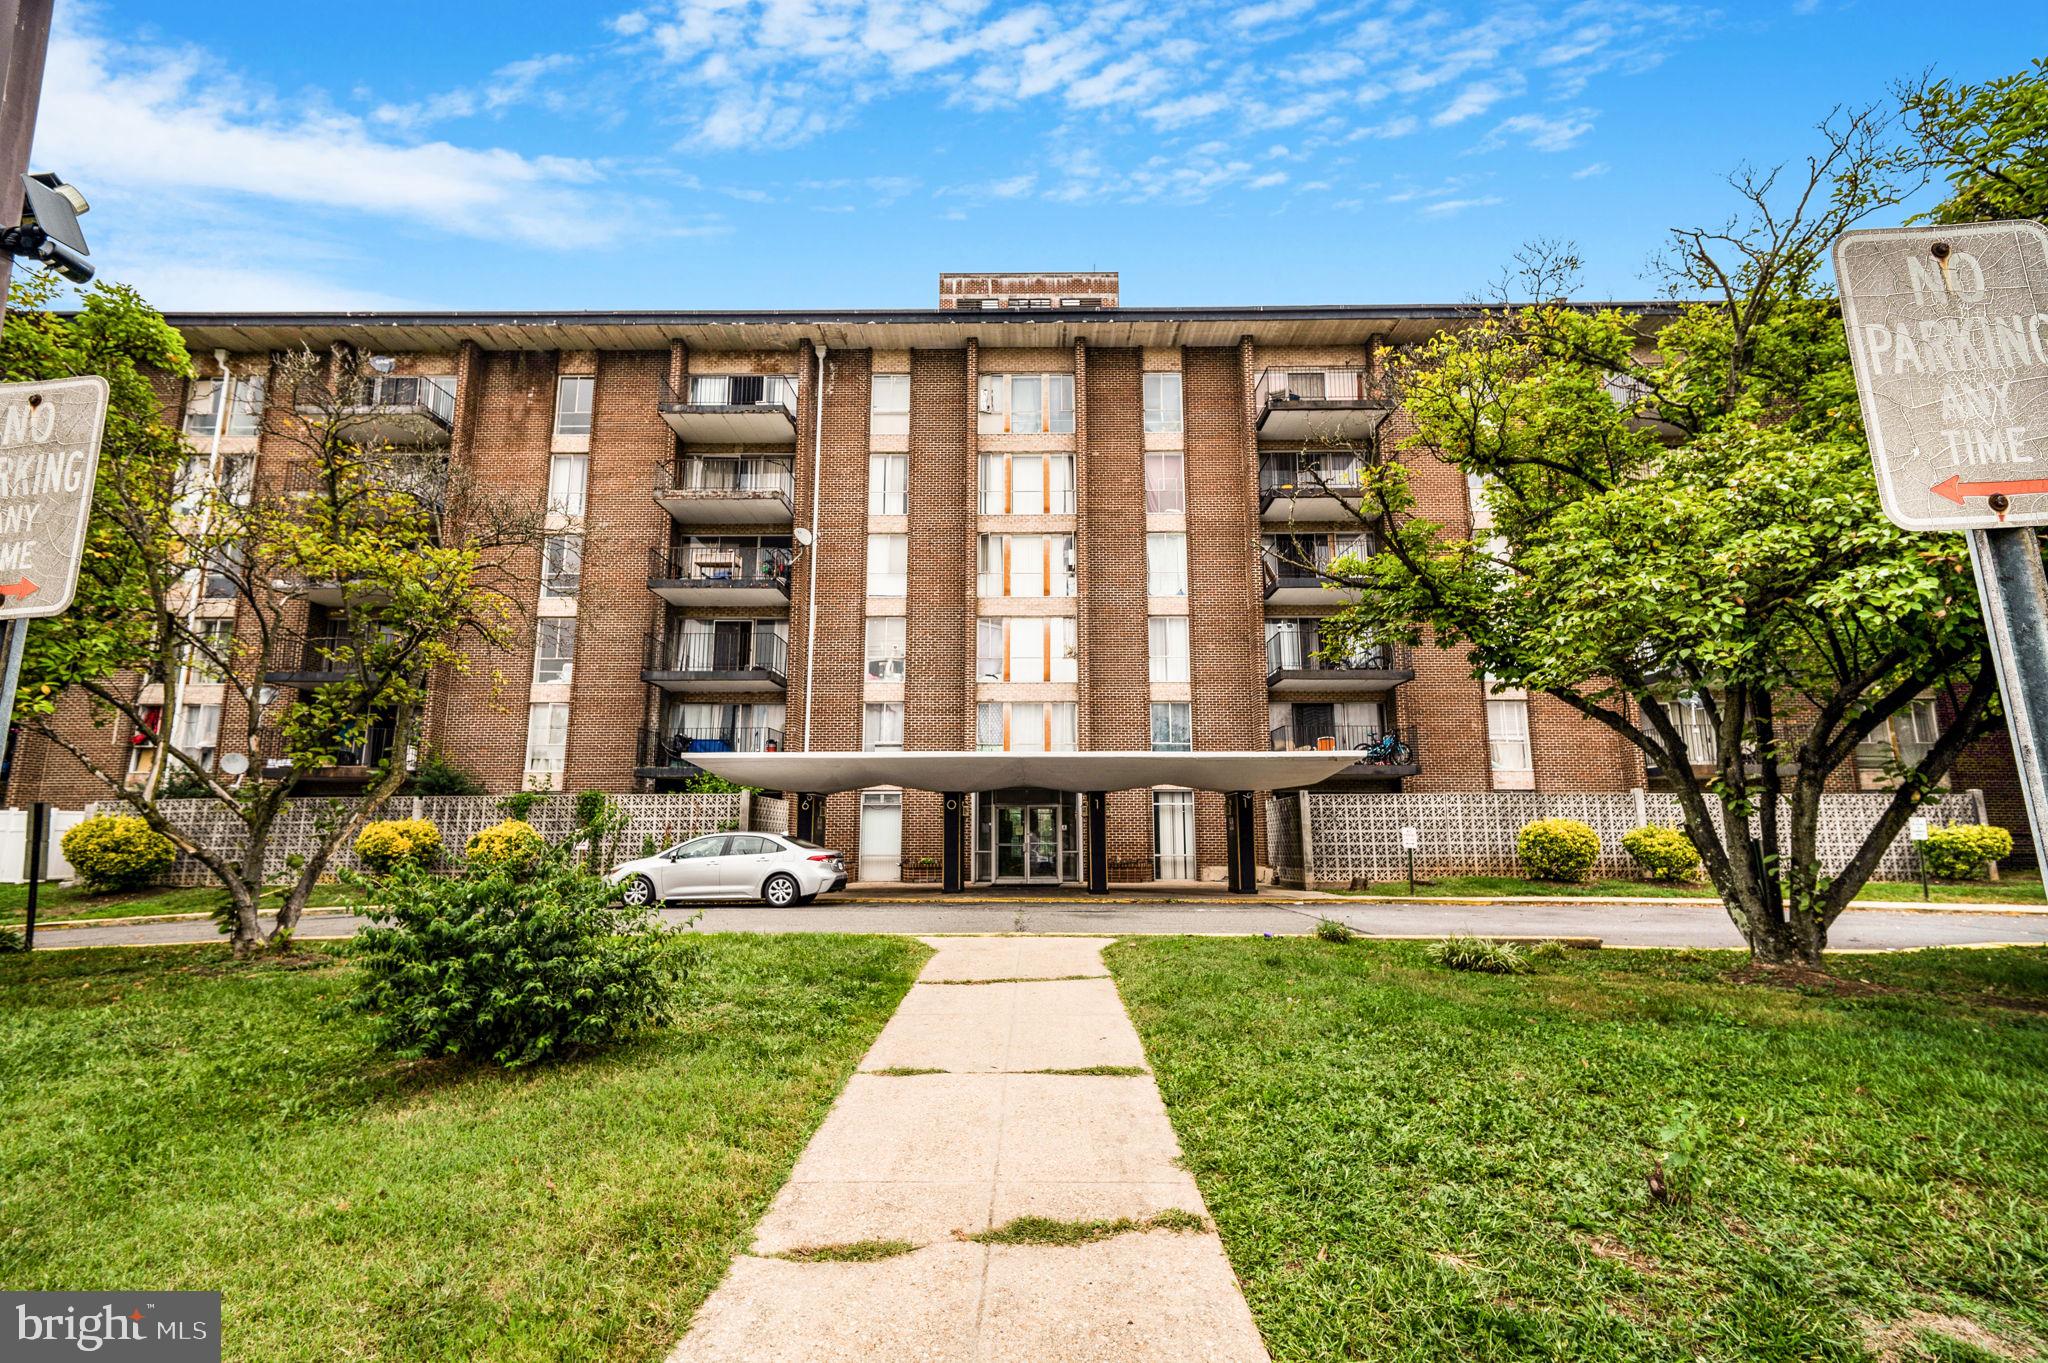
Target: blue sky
(841,153)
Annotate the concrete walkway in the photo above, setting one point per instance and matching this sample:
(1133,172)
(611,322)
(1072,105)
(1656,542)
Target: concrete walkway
(930,1159)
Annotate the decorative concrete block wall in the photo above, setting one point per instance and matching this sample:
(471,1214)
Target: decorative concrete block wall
(1334,839)
(668,819)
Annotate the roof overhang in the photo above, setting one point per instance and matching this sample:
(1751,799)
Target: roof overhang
(817,773)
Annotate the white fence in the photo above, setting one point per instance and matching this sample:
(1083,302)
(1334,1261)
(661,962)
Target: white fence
(1316,838)
(665,819)
(14,845)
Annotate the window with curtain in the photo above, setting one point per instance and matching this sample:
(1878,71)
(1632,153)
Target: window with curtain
(568,477)
(888,565)
(889,405)
(888,491)
(1173,728)
(1166,564)
(1162,402)
(1167,636)
(881,727)
(1165,482)
(547,744)
(561,573)
(573,394)
(885,648)
(554,649)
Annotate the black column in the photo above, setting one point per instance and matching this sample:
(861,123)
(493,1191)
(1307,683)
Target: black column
(810,817)
(1098,842)
(1243,851)
(953,857)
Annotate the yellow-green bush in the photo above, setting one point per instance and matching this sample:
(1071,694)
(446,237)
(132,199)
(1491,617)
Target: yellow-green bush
(1959,851)
(513,846)
(1558,849)
(117,852)
(387,844)
(1662,853)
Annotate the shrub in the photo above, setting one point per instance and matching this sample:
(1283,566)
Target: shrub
(1662,853)
(10,940)
(520,803)
(387,844)
(1558,849)
(436,775)
(1330,930)
(1476,953)
(1959,851)
(512,972)
(513,847)
(1547,953)
(117,852)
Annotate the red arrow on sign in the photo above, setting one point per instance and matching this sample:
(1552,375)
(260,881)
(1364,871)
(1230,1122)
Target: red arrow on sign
(1955,489)
(19,587)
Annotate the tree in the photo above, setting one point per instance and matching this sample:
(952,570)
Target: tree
(1683,508)
(1990,142)
(357,566)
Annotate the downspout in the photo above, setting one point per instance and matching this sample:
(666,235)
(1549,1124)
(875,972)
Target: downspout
(811,588)
(220,423)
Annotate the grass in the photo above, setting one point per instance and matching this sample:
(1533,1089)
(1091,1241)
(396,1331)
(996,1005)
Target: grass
(2014,887)
(58,903)
(1407,1163)
(852,1252)
(174,1119)
(1046,1230)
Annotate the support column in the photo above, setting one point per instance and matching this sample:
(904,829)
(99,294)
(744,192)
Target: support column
(1097,819)
(810,817)
(1240,842)
(953,857)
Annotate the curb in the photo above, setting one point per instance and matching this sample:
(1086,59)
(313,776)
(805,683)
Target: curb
(63,924)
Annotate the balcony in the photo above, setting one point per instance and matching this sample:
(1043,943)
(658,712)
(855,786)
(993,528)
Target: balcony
(665,753)
(316,659)
(1293,664)
(1319,404)
(408,413)
(742,574)
(356,758)
(712,490)
(1310,487)
(1293,566)
(719,661)
(1382,753)
(732,409)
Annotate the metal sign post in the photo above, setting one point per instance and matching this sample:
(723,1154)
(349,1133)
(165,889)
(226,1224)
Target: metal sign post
(1948,336)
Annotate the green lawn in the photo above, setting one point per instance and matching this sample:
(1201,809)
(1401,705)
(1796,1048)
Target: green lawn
(57,903)
(2014,887)
(1408,1163)
(171,1119)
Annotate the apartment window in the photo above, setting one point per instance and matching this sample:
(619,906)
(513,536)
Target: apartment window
(561,571)
(1027,565)
(1507,727)
(245,412)
(885,648)
(888,494)
(202,407)
(215,640)
(547,743)
(223,571)
(1026,404)
(190,492)
(1165,482)
(1025,649)
(196,734)
(1166,564)
(572,404)
(1162,402)
(889,405)
(1027,484)
(888,565)
(1026,726)
(881,727)
(1695,729)
(1905,738)
(1167,636)
(1173,835)
(554,650)
(1173,726)
(568,479)
(238,478)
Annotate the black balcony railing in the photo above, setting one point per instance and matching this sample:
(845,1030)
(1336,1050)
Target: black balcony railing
(1390,747)
(1291,652)
(678,747)
(734,563)
(1347,384)
(1308,474)
(701,476)
(732,390)
(325,654)
(431,398)
(716,652)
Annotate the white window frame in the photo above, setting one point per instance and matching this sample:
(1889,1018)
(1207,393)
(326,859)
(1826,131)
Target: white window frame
(547,743)
(1162,393)
(1168,493)
(561,567)
(881,726)
(1166,563)
(888,485)
(196,734)
(999,561)
(889,405)
(1507,734)
(1026,649)
(554,650)
(574,400)
(996,406)
(568,484)
(1027,726)
(1166,639)
(888,565)
(218,632)
(886,648)
(1180,717)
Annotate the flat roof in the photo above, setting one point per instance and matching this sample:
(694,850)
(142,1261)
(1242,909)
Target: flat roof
(857,329)
(819,773)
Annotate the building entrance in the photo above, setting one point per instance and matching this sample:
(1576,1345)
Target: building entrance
(1027,837)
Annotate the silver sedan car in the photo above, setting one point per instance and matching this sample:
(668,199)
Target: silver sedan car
(779,871)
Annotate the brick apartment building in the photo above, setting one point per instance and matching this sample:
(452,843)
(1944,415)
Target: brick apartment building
(853,548)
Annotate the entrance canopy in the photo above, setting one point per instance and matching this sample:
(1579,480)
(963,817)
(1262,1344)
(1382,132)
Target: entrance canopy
(818,773)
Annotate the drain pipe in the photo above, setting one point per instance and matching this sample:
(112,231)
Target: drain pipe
(811,589)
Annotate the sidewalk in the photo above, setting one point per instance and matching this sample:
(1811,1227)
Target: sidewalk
(989,1133)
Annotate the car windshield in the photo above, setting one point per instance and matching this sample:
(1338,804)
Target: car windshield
(807,846)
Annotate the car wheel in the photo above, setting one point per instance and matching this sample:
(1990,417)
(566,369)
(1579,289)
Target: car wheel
(639,892)
(780,892)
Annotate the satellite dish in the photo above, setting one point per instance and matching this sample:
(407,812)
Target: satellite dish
(803,538)
(383,364)
(234,763)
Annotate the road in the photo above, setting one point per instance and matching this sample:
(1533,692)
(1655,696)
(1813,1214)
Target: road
(1618,925)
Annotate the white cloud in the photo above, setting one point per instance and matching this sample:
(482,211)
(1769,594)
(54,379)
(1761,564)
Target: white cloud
(1588,172)
(1272,12)
(1473,100)
(1443,208)
(1544,132)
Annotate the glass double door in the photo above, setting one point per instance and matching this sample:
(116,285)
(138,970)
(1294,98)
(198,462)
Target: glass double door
(1028,841)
